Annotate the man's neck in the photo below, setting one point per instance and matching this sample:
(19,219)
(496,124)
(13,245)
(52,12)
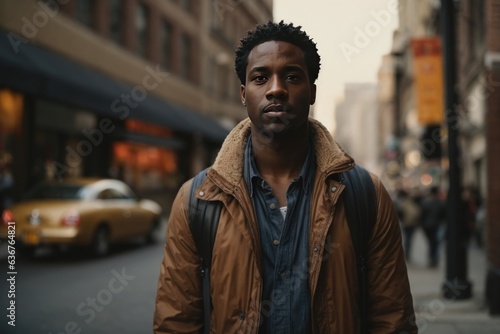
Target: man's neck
(280,158)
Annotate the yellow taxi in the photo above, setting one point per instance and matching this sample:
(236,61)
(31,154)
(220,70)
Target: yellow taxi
(81,212)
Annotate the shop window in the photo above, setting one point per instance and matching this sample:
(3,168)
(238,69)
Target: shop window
(115,20)
(11,111)
(141,26)
(142,166)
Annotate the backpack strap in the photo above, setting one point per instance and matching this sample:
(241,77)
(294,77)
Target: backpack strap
(203,222)
(360,201)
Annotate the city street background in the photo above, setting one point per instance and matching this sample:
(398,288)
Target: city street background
(145,92)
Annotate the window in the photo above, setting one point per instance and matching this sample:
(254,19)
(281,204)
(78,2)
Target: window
(186,57)
(216,16)
(212,76)
(85,12)
(479,22)
(166,44)
(186,4)
(141,26)
(115,20)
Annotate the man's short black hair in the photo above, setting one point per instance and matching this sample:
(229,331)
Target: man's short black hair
(277,32)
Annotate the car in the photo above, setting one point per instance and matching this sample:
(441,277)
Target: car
(94,213)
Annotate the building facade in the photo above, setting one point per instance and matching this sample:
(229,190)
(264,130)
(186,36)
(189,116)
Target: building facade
(358,114)
(142,90)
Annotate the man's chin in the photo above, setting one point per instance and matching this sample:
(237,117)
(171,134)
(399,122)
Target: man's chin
(275,130)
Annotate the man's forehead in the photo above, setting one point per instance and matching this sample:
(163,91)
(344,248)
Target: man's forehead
(274,48)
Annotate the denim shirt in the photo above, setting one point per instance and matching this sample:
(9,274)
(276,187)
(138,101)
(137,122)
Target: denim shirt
(285,245)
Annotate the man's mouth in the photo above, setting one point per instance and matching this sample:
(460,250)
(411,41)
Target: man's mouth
(276,110)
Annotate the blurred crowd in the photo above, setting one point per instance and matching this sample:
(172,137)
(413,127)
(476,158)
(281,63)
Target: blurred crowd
(427,209)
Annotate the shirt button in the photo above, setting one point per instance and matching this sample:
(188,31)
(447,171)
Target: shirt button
(202,193)
(272,206)
(334,189)
(241,315)
(276,242)
(282,274)
(316,249)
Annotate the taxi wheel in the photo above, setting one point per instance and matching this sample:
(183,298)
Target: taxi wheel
(100,244)
(151,236)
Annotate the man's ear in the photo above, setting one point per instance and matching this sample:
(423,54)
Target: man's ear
(313,94)
(242,95)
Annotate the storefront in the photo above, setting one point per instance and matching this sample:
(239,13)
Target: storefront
(60,119)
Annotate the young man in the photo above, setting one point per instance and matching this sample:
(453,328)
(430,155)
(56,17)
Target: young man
(283,260)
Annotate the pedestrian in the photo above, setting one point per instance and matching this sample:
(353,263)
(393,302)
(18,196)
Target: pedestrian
(433,216)
(283,260)
(409,214)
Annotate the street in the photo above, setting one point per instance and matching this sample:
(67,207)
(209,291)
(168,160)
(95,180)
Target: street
(70,292)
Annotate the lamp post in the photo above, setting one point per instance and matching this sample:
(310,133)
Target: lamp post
(456,285)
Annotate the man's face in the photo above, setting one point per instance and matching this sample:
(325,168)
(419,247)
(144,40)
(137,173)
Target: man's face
(278,91)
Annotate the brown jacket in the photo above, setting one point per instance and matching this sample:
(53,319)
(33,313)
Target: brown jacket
(236,282)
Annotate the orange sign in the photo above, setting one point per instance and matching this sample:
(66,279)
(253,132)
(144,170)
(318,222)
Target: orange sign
(428,69)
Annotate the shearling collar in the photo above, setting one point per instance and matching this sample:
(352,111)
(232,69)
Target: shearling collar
(330,157)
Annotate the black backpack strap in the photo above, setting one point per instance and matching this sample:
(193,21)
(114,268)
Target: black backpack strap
(360,201)
(203,222)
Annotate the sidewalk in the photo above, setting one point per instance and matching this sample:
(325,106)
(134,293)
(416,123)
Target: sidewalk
(436,315)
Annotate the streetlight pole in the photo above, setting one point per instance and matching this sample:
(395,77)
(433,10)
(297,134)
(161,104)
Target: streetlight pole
(456,285)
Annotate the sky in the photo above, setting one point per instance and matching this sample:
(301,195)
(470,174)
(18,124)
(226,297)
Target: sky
(351,36)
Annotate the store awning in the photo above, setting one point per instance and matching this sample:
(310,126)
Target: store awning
(40,72)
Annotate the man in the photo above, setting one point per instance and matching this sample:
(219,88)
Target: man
(433,217)
(283,260)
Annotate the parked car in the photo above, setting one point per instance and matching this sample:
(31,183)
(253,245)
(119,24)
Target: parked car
(80,212)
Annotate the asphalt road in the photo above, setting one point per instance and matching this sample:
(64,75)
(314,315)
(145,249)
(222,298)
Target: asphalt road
(73,293)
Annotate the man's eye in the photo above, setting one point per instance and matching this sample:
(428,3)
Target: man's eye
(292,77)
(259,78)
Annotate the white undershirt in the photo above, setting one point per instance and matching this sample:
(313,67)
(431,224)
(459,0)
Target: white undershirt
(283,211)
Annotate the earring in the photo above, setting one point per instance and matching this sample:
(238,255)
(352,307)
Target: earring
(244,103)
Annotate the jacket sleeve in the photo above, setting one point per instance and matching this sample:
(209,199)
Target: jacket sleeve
(391,304)
(179,304)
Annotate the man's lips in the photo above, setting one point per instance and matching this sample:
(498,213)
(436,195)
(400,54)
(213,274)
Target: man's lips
(276,110)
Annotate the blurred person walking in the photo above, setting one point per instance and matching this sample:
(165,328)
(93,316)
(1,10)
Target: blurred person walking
(409,210)
(283,259)
(433,216)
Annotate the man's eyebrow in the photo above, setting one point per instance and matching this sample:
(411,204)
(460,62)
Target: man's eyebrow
(296,68)
(258,69)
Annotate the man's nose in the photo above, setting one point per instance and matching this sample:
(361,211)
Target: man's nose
(276,88)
